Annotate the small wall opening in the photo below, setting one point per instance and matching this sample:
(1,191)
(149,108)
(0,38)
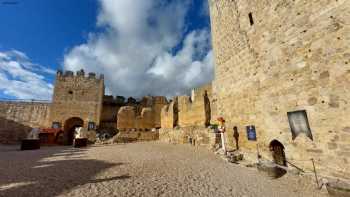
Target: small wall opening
(251,19)
(278,154)
(207,109)
(176,113)
(236,136)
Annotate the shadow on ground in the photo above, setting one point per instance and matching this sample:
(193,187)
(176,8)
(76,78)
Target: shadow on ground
(49,171)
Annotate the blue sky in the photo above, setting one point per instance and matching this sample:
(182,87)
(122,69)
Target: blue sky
(39,36)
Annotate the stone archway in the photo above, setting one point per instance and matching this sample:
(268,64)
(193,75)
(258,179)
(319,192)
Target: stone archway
(278,154)
(69,128)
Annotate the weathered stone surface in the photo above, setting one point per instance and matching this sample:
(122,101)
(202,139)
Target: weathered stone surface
(133,136)
(195,135)
(126,118)
(332,146)
(111,106)
(77,96)
(187,111)
(346,129)
(170,114)
(293,57)
(18,118)
(143,115)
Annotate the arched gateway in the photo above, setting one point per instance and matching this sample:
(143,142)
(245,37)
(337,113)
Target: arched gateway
(69,128)
(277,150)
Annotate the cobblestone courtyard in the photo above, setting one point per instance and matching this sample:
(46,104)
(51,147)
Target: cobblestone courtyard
(139,169)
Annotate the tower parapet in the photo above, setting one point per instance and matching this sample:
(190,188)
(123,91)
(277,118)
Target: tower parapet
(69,75)
(77,96)
(59,73)
(81,73)
(92,75)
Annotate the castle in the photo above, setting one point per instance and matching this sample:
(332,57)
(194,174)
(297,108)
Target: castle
(282,71)
(281,81)
(79,101)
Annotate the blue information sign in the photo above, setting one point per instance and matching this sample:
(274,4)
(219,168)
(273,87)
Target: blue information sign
(251,133)
(91,126)
(56,125)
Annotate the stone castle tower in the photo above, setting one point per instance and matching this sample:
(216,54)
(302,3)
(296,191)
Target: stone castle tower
(77,101)
(275,58)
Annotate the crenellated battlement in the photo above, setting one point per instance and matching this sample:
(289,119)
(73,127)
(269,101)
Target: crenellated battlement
(146,101)
(77,94)
(80,73)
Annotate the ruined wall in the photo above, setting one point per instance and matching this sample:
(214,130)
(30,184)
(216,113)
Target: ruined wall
(169,115)
(277,56)
(18,118)
(199,136)
(144,115)
(126,118)
(77,96)
(195,110)
(145,120)
(186,111)
(158,103)
(133,136)
(109,113)
(186,119)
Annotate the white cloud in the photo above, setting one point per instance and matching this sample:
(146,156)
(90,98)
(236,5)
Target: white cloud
(135,50)
(21,78)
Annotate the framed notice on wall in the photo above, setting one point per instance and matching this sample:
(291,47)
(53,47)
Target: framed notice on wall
(299,123)
(91,126)
(251,133)
(56,125)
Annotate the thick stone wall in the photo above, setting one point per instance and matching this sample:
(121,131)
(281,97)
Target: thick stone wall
(185,111)
(195,110)
(169,114)
(109,113)
(186,118)
(145,120)
(18,118)
(77,96)
(126,118)
(134,136)
(158,103)
(199,136)
(273,57)
(143,115)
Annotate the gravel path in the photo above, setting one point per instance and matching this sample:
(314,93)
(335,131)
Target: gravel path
(138,169)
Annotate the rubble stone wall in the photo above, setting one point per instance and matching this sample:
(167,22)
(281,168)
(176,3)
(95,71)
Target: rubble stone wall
(77,95)
(18,118)
(196,135)
(274,57)
(143,115)
(134,136)
(111,106)
(169,115)
(126,118)
(185,111)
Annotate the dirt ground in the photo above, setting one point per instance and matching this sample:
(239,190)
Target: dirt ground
(138,169)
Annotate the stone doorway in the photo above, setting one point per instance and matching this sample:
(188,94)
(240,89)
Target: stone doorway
(69,129)
(278,154)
